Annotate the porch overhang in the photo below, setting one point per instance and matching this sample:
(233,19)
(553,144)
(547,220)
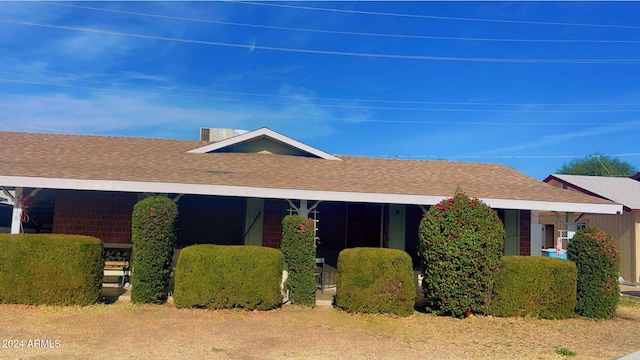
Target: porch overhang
(289,193)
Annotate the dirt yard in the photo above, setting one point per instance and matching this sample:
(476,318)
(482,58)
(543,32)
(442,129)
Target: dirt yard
(122,330)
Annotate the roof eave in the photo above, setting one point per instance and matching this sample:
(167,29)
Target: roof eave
(284,193)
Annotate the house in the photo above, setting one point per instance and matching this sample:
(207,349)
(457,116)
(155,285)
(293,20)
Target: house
(624,227)
(237,189)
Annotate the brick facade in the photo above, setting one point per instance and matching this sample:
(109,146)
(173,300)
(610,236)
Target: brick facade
(274,212)
(105,215)
(525,232)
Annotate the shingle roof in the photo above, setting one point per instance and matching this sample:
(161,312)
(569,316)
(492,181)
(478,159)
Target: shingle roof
(83,157)
(622,190)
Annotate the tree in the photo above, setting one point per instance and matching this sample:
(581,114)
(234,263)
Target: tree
(597,164)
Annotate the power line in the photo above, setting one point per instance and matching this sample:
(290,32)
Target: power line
(401,36)
(339,106)
(437,17)
(174,88)
(331,52)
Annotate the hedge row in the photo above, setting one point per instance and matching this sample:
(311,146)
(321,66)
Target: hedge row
(51,269)
(233,276)
(534,286)
(375,280)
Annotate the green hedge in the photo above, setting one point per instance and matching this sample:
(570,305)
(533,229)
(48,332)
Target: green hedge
(50,269)
(375,280)
(597,258)
(299,249)
(229,276)
(153,235)
(534,286)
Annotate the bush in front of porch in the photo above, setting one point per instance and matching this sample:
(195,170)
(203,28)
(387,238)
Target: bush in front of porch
(299,249)
(51,269)
(460,245)
(153,235)
(375,280)
(228,276)
(534,286)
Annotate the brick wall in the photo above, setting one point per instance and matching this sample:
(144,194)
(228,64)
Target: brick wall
(274,212)
(105,215)
(525,232)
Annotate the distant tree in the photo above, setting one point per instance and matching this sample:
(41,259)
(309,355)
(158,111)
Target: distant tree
(597,165)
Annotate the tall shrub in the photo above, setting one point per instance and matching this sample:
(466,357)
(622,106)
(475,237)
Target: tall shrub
(597,258)
(153,235)
(460,245)
(299,252)
(375,280)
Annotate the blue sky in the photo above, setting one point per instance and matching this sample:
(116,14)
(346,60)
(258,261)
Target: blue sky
(530,85)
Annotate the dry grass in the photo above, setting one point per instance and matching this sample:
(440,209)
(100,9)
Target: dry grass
(123,330)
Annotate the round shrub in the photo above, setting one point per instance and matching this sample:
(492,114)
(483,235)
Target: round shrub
(375,280)
(597,259)
(460,245)
(299,250)
(153,236)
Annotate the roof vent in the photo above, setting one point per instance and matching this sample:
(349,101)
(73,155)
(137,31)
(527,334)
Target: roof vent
(218,134)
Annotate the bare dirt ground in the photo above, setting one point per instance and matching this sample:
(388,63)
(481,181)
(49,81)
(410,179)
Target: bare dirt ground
(125,331)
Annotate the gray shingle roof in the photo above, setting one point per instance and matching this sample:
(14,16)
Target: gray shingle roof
(622,190)
(82,157)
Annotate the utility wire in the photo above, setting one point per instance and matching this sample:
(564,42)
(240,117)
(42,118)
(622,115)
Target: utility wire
(331,52)
(400,36)
(179,89)
(339,106)
(437,17)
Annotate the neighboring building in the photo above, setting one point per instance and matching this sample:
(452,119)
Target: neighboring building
(624,227)
(237,190)
(636,176)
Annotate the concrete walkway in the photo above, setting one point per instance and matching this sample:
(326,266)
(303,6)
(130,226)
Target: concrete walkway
(630,290)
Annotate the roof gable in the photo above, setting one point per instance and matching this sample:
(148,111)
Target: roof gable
(266,141)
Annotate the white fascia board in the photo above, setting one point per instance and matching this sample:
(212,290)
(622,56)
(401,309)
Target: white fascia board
(263,132)
(298,194)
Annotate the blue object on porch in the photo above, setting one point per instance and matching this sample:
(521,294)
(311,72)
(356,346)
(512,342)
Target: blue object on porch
(552,253)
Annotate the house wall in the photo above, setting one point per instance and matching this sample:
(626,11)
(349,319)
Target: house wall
(623,228)
(274,212)
(105,215)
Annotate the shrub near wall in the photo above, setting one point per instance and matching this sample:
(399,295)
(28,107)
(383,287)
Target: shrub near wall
(50,269)
(153,235)
(216,277)
(299,252)
(597,258)
(460,245)
(534,286)
(375,280)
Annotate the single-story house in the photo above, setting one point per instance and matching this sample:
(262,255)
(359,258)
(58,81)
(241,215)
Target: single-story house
(625,227)
(237,188)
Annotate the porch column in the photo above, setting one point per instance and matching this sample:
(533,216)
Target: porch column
(16,218)
(536,234)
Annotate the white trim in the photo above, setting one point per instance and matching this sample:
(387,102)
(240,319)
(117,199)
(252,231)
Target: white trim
(280,193)
(263,132)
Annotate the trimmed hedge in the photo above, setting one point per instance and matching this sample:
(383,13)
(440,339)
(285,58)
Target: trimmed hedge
(153,235)
(534,286)
(375,280)
(460,245)
(597,258)
(228,276)
(51,269)
(299,251)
